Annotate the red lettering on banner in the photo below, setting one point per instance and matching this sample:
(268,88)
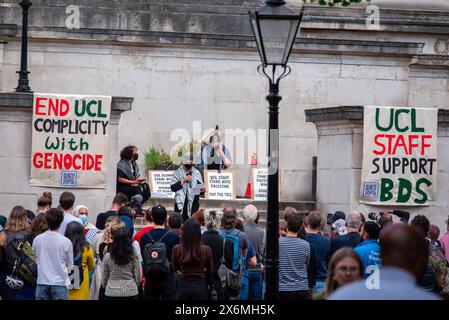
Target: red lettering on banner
(98,158)
(424,144)
(76,166)
(47,160)
(38,106)
(64,108)
(411,144)
(391,144)
(37,160)
(380,144)
(400,142)
(67,161)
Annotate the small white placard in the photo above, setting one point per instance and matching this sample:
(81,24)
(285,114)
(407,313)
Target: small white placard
(220,186)
(160,183)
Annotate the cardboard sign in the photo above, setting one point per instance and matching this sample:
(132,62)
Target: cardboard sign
(260,184)
(399,156)
(70,140)
(220,186)
(160,183)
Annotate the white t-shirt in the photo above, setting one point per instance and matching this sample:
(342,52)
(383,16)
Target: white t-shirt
(54,257)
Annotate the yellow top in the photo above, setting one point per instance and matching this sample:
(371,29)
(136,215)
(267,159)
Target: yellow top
(88,264)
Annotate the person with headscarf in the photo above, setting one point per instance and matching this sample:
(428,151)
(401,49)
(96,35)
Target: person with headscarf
(129,180)
(184,183)
(90,231)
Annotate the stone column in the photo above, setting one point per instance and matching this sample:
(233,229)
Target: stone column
(340,155)
(15,158)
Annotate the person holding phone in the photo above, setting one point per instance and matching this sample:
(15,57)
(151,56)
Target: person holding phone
(129,181)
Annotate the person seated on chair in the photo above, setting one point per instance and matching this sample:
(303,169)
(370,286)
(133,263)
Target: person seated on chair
(129,181)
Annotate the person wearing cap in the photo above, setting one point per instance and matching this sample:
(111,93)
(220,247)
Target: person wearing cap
(160,286)
(214,154)
(369,249)
(184,182)
(257,237)
(338,215)
(444,240)
(351,238)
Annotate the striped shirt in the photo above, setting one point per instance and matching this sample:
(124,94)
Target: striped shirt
(294,255)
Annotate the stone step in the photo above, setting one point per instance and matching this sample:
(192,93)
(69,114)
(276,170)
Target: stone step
(239,204)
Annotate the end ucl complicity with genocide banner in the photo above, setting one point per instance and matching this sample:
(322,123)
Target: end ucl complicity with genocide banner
(70,137)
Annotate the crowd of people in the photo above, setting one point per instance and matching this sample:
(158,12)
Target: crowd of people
(54,253)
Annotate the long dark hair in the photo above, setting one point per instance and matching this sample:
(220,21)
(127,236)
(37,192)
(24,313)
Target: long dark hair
(121,248)
(191,241)
(75,233)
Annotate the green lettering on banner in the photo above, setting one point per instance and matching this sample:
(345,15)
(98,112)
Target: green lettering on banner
(406,185)
(396,120)
(377,120)
(77,112)
(89,112)
(414,127)
(100,105)
(386,185)
(421,192)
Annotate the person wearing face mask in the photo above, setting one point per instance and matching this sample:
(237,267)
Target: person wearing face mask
(90,231)
(184,183)
(129,181)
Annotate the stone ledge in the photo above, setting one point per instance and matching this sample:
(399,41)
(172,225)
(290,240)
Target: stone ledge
(8,29)
(355,113)
(430,60)
(152,38)
(9,100)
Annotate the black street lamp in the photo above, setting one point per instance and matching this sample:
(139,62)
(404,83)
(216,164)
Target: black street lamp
(275,27)
(23,73)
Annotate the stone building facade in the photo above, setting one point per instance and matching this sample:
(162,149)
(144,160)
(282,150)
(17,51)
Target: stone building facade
(185,61)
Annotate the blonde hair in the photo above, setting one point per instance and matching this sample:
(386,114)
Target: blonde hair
(17,220)
(110,227)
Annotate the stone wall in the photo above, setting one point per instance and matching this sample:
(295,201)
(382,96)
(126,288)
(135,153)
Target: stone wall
(195,60)
(15,158)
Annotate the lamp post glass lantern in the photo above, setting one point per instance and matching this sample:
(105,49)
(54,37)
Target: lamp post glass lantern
(23,82)
(275,27)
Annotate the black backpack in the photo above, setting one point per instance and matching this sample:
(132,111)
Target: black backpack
(77,264)
(19,253)
(154,256)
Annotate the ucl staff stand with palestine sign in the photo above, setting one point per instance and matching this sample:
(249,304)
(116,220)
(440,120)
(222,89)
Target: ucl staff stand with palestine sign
(399,156)
(70,138)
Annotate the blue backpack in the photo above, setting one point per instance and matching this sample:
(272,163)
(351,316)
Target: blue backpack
(233,236)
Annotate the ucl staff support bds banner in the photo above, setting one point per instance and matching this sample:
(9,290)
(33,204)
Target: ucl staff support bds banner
(70,138)
(399,156)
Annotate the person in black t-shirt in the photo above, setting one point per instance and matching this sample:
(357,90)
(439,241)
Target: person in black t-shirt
(119,201)
(161,285)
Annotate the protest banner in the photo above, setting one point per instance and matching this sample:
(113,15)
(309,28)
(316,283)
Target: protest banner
(220,185)
(260,184)
(399,156)
(70,139)
(160,183)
